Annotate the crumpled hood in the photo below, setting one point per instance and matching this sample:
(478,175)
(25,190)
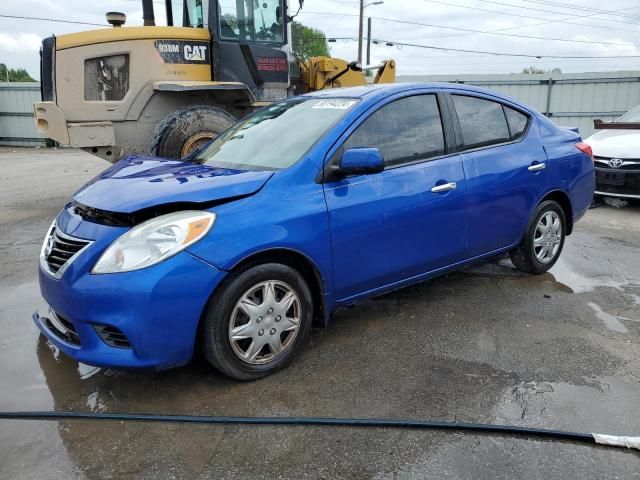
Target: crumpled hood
(615,143)
(136,183)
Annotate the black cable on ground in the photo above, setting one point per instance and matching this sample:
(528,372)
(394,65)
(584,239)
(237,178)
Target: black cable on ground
(593,438)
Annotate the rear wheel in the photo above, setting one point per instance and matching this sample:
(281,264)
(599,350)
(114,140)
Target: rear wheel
(543,241)
(187,129)
(257,321)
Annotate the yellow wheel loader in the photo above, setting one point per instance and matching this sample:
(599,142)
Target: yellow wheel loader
(167,90)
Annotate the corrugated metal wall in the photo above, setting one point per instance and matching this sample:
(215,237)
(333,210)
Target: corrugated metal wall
(569,99)
(16,114)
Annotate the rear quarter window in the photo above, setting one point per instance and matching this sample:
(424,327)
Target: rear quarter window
(517,121)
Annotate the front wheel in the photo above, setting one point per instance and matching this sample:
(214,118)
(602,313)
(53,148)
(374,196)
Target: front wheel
(257,321)
(543,241)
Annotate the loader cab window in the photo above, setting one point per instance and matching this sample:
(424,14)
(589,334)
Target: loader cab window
(194,14)
(251,20)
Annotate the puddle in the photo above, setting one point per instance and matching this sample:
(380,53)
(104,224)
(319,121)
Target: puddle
(612,322)
(576,272)
(601,404)
(604,404)
(579,283)
(502,268)
(562,275)
(496,267)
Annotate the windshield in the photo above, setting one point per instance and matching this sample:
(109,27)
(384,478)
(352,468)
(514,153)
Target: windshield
(632,115)
(257,20)
(275,137)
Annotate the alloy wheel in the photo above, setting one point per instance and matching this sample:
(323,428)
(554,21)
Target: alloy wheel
(265,322)
(547,237)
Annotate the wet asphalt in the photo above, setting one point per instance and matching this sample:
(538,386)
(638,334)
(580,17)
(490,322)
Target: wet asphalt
(486,344)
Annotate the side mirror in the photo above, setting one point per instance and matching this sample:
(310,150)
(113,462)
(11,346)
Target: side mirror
(361,161)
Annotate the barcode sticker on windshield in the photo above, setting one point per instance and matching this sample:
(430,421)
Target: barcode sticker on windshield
(334,103)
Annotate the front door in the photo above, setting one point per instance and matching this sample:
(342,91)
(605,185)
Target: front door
(390,226)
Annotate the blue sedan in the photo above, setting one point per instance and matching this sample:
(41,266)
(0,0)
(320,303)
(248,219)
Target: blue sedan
(310,204)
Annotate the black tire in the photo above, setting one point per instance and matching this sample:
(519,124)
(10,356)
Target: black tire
(215,333)
(171,134)
(523,256)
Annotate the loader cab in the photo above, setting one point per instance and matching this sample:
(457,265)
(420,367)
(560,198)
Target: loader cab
(249,42)
(194,13)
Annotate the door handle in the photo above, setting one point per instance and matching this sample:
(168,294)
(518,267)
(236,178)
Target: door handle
(536,167)
(444,187)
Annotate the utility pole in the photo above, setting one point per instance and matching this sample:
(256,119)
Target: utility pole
(362,7)
(368,40)
(360,31)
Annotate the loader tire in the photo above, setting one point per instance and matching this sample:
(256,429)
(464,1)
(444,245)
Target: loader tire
(187,129)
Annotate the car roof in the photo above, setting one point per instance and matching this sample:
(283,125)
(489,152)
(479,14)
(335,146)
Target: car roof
(380,90)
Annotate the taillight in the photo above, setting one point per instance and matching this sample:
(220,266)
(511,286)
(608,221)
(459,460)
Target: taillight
(584,148)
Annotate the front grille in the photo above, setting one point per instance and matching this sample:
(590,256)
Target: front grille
(62,328)
(60,250)
(628,164)
(624,183)
(47,69)
(112,336)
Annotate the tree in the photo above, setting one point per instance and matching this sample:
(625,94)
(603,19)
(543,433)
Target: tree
(532,69)
(231,21)
(14,75)
(308,42)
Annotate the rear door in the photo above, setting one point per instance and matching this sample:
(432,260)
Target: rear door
(505,168)
(390,226)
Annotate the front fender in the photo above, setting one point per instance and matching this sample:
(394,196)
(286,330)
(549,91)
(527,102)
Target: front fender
(293,218)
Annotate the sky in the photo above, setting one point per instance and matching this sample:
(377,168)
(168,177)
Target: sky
(574,28)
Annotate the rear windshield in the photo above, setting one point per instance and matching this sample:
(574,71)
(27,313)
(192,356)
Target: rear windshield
(277,136)
(631,116)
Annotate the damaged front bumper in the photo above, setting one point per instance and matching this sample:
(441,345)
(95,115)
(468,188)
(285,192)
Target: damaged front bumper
(95,137)
(141,319)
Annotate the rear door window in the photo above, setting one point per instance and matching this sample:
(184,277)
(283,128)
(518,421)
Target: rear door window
(405,131)
(482,121)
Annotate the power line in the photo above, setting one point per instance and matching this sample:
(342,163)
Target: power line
(405,42)
(399,43)
(547,20)
(53,20)
(504,54)
(484,32)
(586,9)
(511,5)
(519,27)
(395,43)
